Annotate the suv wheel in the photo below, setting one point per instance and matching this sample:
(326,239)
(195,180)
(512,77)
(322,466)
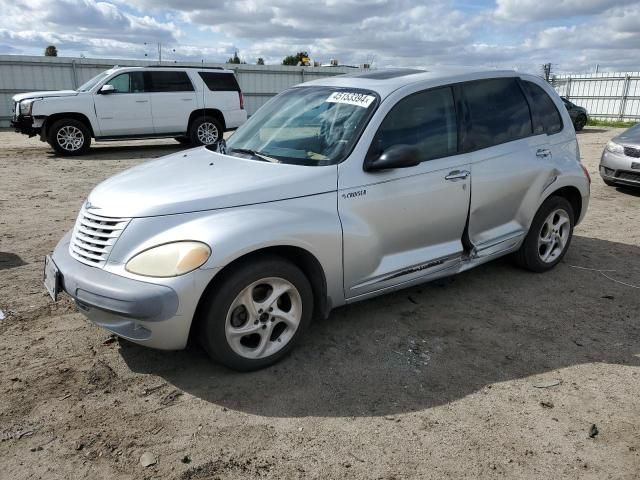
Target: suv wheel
(580,122)
(256,314)
(69,137)
(205,131)
(549,236)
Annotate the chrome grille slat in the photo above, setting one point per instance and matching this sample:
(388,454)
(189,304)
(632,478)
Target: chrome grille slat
(94,236)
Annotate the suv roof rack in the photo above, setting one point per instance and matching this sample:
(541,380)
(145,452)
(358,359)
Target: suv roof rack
(184,66)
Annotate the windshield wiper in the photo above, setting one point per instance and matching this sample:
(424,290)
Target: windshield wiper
(259,155)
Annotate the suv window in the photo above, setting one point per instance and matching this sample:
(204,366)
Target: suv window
(131,82)
(497,112)
(546,118)
(221,82)
(426,120)
(174,81)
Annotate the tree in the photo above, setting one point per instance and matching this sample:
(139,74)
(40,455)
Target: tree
(294,59)
(235,59)
(260,61)
(51,51)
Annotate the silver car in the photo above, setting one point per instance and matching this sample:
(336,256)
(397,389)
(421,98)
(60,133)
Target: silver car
(335,191)
(620,162)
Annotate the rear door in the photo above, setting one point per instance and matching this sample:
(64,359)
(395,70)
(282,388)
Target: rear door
(126,111)
(509,168)
(403,224)
(172,100)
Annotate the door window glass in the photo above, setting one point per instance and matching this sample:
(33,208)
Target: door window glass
(132,82)
(426,120)
(174,81)
(497,112)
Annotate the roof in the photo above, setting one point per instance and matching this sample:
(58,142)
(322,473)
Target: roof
(384,81)
(170,67)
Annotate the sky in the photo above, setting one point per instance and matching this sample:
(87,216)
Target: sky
(574,35)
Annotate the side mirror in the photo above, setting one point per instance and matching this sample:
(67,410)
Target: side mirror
(397,156)
(105,89)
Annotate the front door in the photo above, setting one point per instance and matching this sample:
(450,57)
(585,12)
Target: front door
(403,224)
(126,111)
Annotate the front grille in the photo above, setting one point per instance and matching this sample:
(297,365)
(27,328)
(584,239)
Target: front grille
(632,152)
(94,236)
(632,176)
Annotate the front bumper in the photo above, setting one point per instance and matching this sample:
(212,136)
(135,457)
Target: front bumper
(620,169)
(142,312)
(27,125)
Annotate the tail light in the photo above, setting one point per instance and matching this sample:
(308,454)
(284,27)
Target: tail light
(241,100)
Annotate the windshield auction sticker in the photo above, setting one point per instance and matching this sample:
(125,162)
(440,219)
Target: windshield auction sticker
(352,98)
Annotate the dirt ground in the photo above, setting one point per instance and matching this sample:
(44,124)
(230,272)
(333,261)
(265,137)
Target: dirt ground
(495,373)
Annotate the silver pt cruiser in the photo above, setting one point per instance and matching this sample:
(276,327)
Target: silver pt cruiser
(335,191)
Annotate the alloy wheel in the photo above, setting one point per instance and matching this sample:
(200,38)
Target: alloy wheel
(70,138)
(263,318)
(207,133)
(553,236)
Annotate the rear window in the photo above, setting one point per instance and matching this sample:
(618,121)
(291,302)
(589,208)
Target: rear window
(497,112)
(169,82)
(221,82)
(546,118)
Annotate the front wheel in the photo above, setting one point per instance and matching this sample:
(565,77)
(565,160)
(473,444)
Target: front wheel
(205,131)
(549,236)
(256,314)
(69,136)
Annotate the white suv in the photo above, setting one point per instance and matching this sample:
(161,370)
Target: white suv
(194,105)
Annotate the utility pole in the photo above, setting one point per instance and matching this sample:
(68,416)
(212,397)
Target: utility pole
(159,52)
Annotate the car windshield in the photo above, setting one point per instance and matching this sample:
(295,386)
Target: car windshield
(85,87)
(305,126)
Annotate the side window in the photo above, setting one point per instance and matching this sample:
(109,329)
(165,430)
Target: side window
(132,82)
(497,112)
(220,82)
(546,118)
(170,81)
(426,120)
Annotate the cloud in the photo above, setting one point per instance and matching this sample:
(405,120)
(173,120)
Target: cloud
(529,10)
(521,34)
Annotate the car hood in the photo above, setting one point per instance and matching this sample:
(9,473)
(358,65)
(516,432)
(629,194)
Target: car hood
(52,93)
(198,179)
(630,136)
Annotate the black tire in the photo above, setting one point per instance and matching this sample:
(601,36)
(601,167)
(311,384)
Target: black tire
(198,122)
(528,256)
(183,140)
(72,126)
(212,321)
(580,122)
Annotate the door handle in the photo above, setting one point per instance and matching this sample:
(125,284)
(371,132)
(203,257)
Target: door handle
(187,99)
(543,153)
(456,175)
(142,101)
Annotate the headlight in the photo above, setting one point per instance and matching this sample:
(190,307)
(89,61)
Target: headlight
(170,259)
(26,106)
(613,147)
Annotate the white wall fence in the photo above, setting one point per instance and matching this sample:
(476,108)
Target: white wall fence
(20,74)
(606,95)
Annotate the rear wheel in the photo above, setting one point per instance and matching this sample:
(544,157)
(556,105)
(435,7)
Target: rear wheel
(580,122)
(549,236)
(256,314)
(69,137)
(205,131)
